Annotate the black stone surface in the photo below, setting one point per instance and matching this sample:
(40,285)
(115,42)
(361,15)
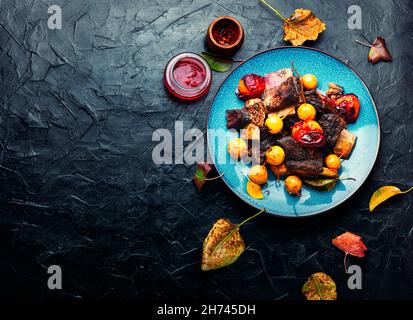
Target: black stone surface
(78,107)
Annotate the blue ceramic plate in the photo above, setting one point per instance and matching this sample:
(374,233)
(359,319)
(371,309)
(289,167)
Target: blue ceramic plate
(327,69)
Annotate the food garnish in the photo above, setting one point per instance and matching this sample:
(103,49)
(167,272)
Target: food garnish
(293,185)
(378,51)
(320,286)
(308,134)
(274,124)
(237,148)
(384,193)
(333,162)
(223,245)
(306,112)
(275,156)
(348,106)
(254,190)
(321,184)
(250,86)
(350,244)
(309,81)
(258,174)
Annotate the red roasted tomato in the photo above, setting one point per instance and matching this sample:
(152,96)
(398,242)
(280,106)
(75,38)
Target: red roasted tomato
(348,106)
(250,86)
(309,134)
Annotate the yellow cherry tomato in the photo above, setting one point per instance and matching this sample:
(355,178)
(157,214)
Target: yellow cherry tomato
(237,148)
(333,162)
(306,112)
(258,174)
(275,155)
(274,124)
(309,81)
(293,185)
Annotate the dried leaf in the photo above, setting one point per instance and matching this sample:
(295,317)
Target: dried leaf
(217,63)
(301,26)
(378,51)
(320,286)
(222,246)
(351,244)
(201,174)
(321,184)
(383,194)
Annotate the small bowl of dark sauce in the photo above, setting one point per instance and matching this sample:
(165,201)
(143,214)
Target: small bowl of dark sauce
(225,36)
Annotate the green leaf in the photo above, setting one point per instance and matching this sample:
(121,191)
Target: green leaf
(222,246)
(321,184)
(217,63)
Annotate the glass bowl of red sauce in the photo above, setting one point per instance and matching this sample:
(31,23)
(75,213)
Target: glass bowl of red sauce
(187,76)
(225,35)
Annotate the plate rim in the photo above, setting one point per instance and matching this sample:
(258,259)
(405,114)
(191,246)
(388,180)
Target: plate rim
(320,212)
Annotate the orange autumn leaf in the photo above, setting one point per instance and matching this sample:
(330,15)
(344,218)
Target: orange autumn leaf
(303,25)
(351,244)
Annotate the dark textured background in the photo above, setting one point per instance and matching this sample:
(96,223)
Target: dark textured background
(79,189)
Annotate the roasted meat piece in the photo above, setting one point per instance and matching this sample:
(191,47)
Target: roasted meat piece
(257,111)
(274,79)
(312,168)
(332,125)
(301,161)
(290,92)
(321,103)
(293,149)
(237,118)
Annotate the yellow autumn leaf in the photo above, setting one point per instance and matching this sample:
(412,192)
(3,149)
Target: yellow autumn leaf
(384,193)
(303,25)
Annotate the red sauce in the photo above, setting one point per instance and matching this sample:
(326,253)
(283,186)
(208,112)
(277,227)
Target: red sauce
(187,76)
(189,73)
